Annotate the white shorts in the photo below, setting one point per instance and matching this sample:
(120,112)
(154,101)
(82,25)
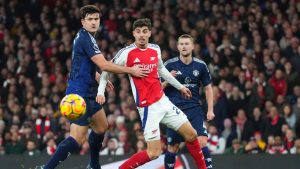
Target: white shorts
(163,111)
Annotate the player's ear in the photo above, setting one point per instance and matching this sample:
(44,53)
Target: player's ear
(193,46)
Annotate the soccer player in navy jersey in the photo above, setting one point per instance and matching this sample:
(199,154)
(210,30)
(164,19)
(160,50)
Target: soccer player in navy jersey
(86,57)
(192,73)
(152,104)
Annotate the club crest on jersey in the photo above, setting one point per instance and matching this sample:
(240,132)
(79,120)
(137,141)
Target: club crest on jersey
(136,60)
(196,73)
(152,58)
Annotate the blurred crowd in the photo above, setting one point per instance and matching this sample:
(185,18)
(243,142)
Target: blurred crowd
(250,46)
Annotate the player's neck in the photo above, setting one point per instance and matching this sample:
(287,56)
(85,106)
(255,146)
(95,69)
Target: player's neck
(186,59)
(144,46)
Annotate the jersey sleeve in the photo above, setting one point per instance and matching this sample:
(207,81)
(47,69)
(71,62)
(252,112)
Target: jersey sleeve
(205,77)
(90,46)
(165,74)
(121,57)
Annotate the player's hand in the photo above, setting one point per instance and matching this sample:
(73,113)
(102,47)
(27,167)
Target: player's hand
(139,71)
(110,86)
(210,115)
(186,93)
(100,99)
(173,73)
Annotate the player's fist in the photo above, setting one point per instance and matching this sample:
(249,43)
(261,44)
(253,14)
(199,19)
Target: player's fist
(100,99)
(210,115)
(186,93)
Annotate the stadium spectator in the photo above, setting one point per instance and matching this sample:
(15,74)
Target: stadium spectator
(112,148)
(216,144)
(252,147)
(31,148)
(235,148)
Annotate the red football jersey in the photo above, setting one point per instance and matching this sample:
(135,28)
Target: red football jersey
(145,90)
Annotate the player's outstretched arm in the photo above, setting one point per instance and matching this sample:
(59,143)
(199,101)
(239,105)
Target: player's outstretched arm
(167,76)
(101,88)
(165,83)
(209,99)
(105,65)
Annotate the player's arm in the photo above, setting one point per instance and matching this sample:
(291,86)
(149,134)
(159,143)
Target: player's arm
(110,86)
(165,84)
(92,50)
(119,59)
(167,76)
(206,82)
(105,65)
(101,88)
(209,100)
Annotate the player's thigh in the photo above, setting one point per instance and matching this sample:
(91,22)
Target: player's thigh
(99,122)
(187,131)
(151,117)
(92,107)
(79,133)
(174,117)
(197,120)
(154,148)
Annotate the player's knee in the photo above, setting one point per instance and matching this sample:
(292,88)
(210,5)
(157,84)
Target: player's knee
(102,128)
(191,136)
(80,139)
(154,153)
(173,148)
(203,142)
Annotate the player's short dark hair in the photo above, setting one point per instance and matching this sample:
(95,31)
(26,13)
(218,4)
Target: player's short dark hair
(186,36)
(142,22)
(88,9)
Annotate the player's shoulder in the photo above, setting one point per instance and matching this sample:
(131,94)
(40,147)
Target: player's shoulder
(125,50)
(200,62)
(153,46)
(85,35)
(171,61)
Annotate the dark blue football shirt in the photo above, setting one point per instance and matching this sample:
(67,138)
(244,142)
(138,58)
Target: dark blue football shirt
(193,76)
(82,76)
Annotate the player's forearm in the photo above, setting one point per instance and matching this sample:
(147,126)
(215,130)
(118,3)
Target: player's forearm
(209,97)
(165,74)
(107,66)
(97,77)
(102,83)
(111,67)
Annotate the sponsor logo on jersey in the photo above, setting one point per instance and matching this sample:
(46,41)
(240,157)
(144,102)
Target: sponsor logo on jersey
(187,80)
(178,72)
(148,67)
(136,60)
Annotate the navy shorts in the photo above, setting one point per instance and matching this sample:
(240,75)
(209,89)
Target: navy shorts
(195,116)
(92,107)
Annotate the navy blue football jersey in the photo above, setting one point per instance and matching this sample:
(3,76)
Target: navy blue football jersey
(82,76)
(193,76)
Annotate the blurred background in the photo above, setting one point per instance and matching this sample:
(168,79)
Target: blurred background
(250,46)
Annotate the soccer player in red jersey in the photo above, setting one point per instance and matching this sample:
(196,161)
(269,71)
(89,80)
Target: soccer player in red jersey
(153,106)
